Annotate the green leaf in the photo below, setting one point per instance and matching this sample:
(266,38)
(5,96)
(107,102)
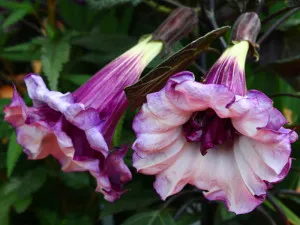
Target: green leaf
(131,200)
(20,56)
(291,216)
(13,5)
(158,77)
(150,218)
(118,131)
(13,153)
(83,22)
(15,16)
(54,55)
(47,217)
(21,205)
(77,79)
(75,180)
(105,43)
(100,4)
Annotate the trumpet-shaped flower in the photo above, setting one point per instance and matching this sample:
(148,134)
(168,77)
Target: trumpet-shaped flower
(77,128)
(214,135)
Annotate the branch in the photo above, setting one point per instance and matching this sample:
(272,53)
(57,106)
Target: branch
(210,15)
(276,24)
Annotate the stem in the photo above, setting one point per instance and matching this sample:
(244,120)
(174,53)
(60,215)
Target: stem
(266,215)
(51,4)
(260,6)
(276,24)
(277,208)
(297,95)
(210,15)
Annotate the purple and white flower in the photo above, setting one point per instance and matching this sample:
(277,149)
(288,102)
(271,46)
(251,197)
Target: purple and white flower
(77,128)
(214,135)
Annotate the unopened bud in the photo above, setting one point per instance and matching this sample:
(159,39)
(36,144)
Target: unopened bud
(179,24)
(246,28)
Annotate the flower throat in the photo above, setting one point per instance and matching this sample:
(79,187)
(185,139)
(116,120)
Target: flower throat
(207,127)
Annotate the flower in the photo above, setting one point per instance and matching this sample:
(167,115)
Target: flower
(77,128)
(214,135)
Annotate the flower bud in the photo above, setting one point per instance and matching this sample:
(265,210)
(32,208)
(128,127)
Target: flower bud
(246,28)
(180,22)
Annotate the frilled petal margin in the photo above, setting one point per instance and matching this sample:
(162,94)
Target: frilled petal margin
(57,126)
(238,172)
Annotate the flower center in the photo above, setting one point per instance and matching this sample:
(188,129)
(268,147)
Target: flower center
(208,129)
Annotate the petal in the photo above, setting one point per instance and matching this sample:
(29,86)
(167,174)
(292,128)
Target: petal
(253,112)
(178,174)
(115,174)
(267,159)
(15,112)
(156,162)
(219,174)
(153,142)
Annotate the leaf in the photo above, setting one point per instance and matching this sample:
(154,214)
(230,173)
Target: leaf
(77,79)
(47,217)
(68,9)
(16,16)
(118,131)
(100,4)
(291,216)
(75,180)
(54,55)
(158,77)
(13,153)
(105,43)
(21,205)
(150,218)
(131,200)
(20,56)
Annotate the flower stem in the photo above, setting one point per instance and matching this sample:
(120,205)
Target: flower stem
(276,24)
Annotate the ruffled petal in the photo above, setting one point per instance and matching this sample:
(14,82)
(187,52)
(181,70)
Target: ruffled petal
(238,172)
(58,126)
(115,174)
(86,119)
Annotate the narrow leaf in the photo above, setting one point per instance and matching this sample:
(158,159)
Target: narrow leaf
(21,205)
(158,77)
(54,55)
(150,218)
(15,16)
(13,153)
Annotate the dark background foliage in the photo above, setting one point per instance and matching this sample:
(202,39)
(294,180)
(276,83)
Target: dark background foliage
(68,41)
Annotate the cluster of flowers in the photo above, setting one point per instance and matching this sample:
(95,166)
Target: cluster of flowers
(215,135)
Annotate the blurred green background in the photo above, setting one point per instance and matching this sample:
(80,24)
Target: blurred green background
(67,41)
